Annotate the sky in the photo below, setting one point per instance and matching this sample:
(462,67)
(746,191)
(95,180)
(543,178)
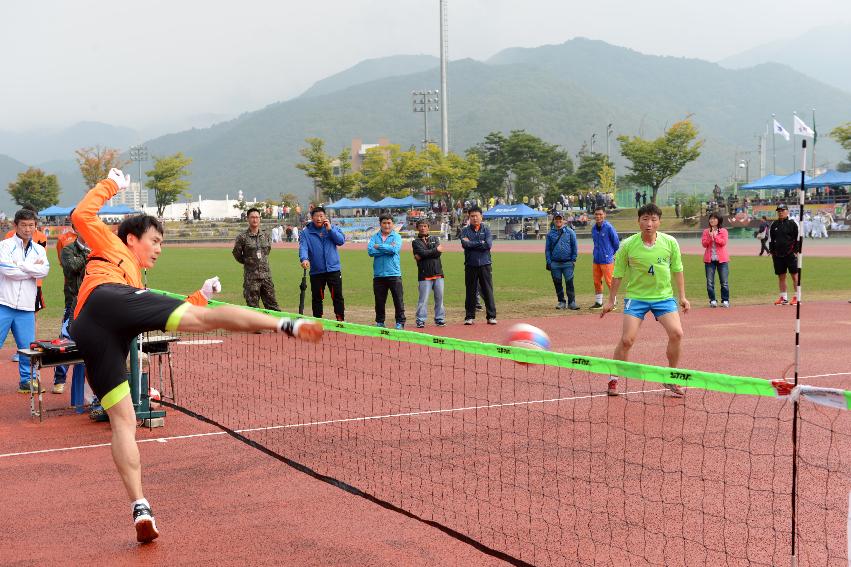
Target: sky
(148,65)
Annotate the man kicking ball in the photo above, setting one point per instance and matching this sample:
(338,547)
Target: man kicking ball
(648,260)
(113,307)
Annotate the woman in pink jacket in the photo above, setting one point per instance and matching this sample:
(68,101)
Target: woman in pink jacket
(716,258)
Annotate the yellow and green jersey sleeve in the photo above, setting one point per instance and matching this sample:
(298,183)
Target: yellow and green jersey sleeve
(647,269)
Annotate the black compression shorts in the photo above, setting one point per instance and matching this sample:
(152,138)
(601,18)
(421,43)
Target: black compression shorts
(112,315)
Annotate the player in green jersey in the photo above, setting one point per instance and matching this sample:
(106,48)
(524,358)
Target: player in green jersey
(649,261)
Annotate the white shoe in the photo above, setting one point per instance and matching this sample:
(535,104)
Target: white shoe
(725,304)
(713,304)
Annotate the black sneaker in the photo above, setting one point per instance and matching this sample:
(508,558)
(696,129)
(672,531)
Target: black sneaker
(146,527)
(596,306)
(440,323)
(420,324)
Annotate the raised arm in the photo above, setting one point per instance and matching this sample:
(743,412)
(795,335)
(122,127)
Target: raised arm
(97,235)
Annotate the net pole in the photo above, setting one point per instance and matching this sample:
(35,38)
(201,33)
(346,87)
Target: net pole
(801,194)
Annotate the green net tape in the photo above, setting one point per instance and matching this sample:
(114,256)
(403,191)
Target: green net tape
(662,374)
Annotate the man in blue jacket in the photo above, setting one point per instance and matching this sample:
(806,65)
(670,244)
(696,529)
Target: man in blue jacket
(317,251)
(384,247)
(606,243)
(560,251)
(476,239)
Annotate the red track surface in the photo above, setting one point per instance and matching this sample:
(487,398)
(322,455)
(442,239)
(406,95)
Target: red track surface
(221,502)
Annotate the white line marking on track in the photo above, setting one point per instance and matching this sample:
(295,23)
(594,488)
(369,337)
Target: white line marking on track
(361,419)
(329,422)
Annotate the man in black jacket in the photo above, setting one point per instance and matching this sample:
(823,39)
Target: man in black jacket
(476,239)
(427,251)
(784,246)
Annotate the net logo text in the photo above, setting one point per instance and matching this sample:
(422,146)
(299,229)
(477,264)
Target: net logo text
(681,375)
(581,361)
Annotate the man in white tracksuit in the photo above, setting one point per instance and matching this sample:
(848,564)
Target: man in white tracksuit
(22,262)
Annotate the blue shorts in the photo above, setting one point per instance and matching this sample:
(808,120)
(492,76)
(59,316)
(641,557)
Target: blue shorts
(638,308)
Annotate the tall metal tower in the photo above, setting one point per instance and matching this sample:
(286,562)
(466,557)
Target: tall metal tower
(444,55)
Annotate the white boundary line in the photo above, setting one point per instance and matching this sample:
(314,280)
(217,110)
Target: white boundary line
(327,422)
(358,419)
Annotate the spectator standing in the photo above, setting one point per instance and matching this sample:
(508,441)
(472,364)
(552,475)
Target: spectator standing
(477,240)
(716,258)
(251,249)
(784,246)
(73,261)
(289,233)
(762,236)
(22,262)
(606,244)
(560,251)
(637,199)
(644,198)
(677,208)
(384,248)
(427,252)
(317,252)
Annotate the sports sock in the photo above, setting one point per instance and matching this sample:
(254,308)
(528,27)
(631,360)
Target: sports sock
(143,501)
(783,295)
(615,378)
(598,298)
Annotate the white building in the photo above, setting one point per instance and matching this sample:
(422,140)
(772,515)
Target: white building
(134,196)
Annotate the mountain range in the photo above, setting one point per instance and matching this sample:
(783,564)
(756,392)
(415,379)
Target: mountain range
(821,53)
(563,93)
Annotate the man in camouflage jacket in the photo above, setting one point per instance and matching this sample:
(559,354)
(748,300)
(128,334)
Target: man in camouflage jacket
(251,249)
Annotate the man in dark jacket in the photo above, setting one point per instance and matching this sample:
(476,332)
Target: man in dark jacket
(251,249)
(73,261)
(560,251)
(476,239)
(427,251)
(317,251)
(784,246)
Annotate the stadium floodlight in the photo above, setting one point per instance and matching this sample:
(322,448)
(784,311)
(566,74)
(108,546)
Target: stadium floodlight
(139,153)
(425,101)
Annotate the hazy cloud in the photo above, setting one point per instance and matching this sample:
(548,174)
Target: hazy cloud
(156,62)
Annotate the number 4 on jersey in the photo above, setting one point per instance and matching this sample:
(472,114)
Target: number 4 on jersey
(650,271)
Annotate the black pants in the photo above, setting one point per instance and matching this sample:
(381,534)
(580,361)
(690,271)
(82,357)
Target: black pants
(380,287)
(481,278)
(334,281)
(763,246)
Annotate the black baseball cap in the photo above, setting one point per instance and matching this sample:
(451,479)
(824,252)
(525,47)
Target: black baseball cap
(782,207)
(558,215)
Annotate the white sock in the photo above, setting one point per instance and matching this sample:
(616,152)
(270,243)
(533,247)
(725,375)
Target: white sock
(599,298)
(783,295)
(615,378)
(140,501)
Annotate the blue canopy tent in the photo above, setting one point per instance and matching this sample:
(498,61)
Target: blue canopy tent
(761,183)
(55,211)
(387,203)
(344,203)
(791,181)
(830,178)
(513,211)
(117,210)
(410,201)
(363,203)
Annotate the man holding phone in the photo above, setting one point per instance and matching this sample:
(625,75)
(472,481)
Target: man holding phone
(317,251)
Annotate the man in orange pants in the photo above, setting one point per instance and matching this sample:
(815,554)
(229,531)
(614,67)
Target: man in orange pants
(606,243)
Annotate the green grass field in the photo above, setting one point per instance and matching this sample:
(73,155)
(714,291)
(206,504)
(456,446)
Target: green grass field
(523,286)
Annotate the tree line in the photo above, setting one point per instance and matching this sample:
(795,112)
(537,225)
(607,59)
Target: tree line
(515,166)
(167,178)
